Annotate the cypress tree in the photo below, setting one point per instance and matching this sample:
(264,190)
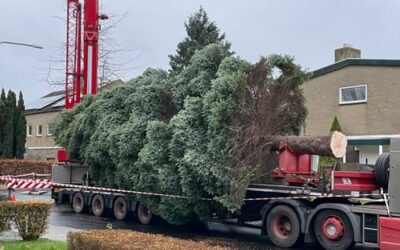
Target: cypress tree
(200,33)
(8,136)
(336,125)
(2,119)
(19,129)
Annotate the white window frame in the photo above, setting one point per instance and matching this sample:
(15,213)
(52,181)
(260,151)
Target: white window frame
(37,130)
(27,131)
(353,102)
(48,130)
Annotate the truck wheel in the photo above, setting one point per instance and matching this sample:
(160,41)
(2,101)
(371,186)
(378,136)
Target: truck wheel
(333,230)
(98,205)
(382,170)
(120,208)
(78,202)
(144,214)
(283,226)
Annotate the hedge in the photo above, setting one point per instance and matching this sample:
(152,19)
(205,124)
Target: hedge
(5,218)
(17,167)
(127,240)
(29,217)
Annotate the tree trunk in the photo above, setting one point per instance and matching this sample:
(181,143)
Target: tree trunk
(333,145)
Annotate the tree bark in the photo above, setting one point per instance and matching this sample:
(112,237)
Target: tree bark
(333,145)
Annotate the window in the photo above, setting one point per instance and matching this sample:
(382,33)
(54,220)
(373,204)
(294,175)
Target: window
(49,130)
(353,94)
(29,131)
(39,130)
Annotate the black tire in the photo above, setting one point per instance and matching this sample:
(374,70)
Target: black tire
(144,214)
(120,208)
(333,230)
(382,167)
(283,226)
(98,205)
(78,202)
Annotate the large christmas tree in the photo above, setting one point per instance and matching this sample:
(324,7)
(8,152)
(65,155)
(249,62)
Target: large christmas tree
(196,132)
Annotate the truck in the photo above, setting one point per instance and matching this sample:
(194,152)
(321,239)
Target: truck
(337,210)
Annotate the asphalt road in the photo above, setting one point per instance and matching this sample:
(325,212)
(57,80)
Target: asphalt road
(63,219)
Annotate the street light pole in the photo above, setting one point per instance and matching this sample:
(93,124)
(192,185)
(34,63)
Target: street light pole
(22,44)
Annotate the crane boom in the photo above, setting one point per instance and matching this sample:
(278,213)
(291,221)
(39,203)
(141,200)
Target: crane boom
(74,74)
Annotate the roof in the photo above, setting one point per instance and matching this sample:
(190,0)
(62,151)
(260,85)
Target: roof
(51,102)
(355,62)
(55,101)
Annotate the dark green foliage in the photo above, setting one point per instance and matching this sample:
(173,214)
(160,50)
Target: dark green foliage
(331,160)
(200,33)
(195,79)
(19,129)
(190,133)
(8,127)
(2,120)
(12,125)
(335,125)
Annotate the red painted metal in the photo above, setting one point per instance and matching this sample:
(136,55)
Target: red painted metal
(62,155)
(389,232)
(333,228)
(296,168)
(291,162)
(73,54)
(90,46)
(282,226)
(354,181)
(74,58)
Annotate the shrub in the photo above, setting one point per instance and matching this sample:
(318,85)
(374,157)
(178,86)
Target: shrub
(5,218)
(17,167)
(30,217)
(126,240)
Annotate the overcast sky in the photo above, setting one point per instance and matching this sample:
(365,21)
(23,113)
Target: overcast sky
(309,30)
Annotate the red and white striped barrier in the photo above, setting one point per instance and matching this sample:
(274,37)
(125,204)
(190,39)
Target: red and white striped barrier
(16,183)
(28,183)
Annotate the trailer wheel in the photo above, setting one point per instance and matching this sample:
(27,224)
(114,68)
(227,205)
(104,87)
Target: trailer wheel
(382,166)
(283,226)
(120,208)
(78,202)
(144,214)
(333,230)
(98,205)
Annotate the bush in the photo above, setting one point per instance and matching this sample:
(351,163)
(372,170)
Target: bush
(5,218)
(30,217)
(17,167)
(126,240)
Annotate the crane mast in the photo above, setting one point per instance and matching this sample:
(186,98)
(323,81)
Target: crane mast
(75,75)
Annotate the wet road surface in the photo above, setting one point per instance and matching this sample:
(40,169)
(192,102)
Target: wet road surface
(63,219)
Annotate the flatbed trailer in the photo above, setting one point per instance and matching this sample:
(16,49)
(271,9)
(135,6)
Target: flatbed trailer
(289,215)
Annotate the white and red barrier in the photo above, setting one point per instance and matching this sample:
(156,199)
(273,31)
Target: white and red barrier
(17,183)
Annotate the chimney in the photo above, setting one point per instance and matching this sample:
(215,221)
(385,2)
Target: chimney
(346,52)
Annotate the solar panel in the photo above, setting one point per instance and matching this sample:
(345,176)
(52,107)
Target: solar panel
(43,102)
(60,103)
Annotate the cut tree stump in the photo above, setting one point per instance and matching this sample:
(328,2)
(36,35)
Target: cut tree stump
(333,145)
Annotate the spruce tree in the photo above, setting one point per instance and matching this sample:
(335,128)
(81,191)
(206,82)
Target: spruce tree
(8,136)
(200,33)
(19,129)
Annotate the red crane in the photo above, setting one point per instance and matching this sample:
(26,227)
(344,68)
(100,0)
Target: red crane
(75,75)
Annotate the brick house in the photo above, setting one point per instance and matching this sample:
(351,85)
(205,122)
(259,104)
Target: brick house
(39,114)
(364,95)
